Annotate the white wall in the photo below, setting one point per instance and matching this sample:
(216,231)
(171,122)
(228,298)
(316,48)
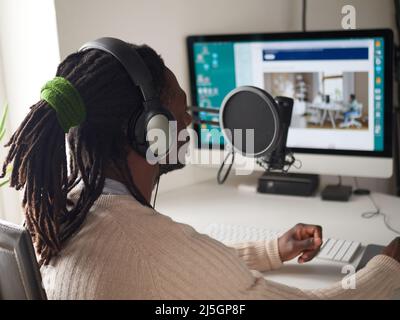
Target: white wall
(29,54)
(165,24)
(325,14)
(2,151)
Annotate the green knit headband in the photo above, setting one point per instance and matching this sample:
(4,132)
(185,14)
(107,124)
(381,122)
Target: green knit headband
(60,94)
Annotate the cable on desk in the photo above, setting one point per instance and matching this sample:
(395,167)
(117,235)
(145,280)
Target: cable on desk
(356,183)
(360,191)
(376,213)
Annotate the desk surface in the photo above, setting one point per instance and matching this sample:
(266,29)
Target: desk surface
(204,203)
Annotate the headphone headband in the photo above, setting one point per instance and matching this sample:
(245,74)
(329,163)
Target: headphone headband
(130,59)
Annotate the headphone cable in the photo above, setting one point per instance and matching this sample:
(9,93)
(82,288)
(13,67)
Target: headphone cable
(304,16)
(155,195)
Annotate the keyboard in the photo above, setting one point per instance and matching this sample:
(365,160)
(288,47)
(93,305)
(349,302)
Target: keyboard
(331,249)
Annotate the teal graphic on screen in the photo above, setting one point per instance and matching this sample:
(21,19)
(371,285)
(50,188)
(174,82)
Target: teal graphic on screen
(378,92)
(215,78)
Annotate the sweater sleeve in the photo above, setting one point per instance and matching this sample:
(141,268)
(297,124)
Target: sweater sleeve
(378,280)
(260,255)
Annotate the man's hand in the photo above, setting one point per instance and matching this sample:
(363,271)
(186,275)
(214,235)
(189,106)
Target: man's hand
(302,239)
(393,249)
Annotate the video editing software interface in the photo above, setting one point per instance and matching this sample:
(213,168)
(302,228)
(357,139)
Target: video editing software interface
(337,86)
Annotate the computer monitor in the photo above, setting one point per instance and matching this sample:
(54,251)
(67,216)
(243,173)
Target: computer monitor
(341,82)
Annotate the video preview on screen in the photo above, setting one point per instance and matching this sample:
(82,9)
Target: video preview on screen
(336,84)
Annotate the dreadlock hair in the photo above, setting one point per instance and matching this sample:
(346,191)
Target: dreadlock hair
(38,147)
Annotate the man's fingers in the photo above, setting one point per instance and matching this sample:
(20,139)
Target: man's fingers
(306,244)
(307,230)
(308,248)
(316,231)
(307,256)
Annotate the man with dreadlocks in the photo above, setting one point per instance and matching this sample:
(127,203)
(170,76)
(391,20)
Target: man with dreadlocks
(96,234)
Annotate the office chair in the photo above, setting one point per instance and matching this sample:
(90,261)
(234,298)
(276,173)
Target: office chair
(353,116)
(19,271)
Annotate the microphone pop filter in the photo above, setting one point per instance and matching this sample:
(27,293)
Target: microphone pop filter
(249,108)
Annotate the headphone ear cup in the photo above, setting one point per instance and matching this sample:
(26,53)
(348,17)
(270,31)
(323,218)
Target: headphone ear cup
(147,127)
(136,133)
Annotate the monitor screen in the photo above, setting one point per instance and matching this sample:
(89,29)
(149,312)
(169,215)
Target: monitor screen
(338,81)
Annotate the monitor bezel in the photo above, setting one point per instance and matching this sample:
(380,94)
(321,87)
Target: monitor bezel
(387,34)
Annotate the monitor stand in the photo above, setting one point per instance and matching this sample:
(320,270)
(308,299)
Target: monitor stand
(296,184)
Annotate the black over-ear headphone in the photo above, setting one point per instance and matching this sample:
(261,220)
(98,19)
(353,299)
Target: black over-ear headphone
(153,116)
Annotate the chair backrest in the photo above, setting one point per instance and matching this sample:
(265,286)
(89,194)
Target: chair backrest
(359,108)
(19,271)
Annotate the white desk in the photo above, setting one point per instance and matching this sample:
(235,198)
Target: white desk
(204,203)
(327,109)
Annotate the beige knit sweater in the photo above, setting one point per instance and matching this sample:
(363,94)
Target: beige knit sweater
(127,251)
